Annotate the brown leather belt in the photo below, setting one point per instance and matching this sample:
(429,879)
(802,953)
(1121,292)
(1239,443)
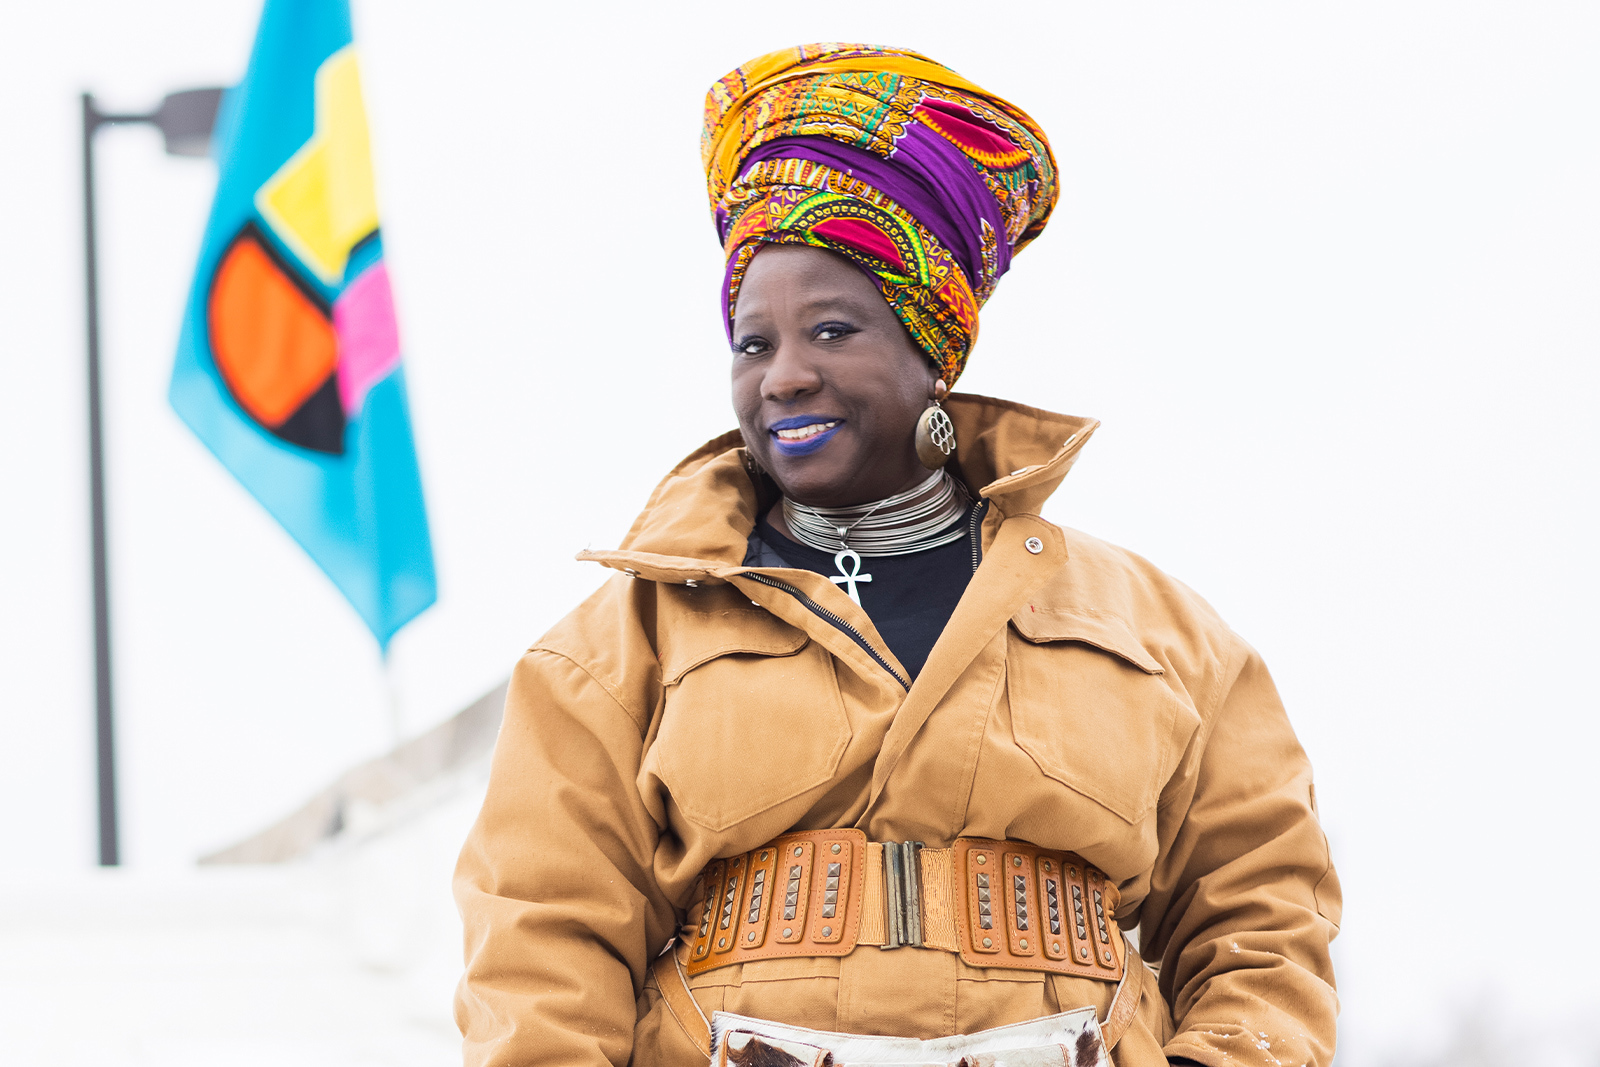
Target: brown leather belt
(825,892)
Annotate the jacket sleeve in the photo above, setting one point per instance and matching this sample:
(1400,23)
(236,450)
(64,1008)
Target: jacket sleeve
(560,908)
(1244,900)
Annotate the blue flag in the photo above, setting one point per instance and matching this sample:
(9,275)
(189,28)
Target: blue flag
(289,363)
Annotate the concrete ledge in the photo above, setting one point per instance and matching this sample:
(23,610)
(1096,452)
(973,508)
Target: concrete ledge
(451,745)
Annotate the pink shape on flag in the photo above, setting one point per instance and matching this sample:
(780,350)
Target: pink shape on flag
(369,340)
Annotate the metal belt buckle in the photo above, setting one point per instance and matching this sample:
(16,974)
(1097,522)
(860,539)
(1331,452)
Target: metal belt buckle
(902,894)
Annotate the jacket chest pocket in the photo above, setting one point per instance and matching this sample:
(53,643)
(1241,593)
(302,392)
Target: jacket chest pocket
(1095,714)
(744,732)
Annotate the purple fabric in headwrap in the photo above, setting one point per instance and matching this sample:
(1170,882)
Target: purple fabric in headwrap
(926,175)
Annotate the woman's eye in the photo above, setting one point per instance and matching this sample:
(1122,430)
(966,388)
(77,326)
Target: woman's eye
(833,331)
(751,346)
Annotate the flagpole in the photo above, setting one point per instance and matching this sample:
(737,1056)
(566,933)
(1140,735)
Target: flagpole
(104,734)
(391,687)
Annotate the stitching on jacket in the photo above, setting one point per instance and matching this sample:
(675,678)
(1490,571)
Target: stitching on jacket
(641,721)
(1228,671)
(959,810)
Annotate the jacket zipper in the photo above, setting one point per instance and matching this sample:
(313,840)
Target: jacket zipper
(828,616)
(979,510)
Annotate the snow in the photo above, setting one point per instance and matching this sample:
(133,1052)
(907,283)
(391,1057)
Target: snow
(347,958)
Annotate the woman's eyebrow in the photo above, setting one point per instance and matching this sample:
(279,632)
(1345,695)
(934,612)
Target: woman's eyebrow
(837,302)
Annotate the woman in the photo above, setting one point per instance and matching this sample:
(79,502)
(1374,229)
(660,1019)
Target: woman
(871,746)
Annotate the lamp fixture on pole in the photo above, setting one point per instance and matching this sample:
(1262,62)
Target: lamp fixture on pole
(185,120)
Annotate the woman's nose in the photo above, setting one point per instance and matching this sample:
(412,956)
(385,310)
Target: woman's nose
(790,375)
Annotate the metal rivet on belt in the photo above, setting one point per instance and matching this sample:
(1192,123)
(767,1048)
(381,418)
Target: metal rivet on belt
(798,850)
(988,942)
(763,857)
(1107,955)
(722,942)
(827,931)
(1016,861)
(788,931)
(835,850)
(1034,545)
(982,858)
(751,936)
(1024,942)
(1083,953)
(1055,946)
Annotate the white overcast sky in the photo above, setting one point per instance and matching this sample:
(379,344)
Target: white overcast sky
(1327,271)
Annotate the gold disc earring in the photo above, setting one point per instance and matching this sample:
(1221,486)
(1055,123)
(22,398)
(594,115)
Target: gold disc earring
(936,434)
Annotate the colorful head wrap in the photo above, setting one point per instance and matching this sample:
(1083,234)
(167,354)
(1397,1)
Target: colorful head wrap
(923,179)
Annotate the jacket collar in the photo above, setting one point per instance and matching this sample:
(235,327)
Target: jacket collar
(696,525)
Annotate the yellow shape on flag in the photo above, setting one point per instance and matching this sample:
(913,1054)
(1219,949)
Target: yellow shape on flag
(321,202)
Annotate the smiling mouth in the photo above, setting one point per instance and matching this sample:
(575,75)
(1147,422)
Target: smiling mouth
(805,433)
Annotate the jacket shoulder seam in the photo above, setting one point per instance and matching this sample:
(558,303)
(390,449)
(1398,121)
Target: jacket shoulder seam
(640,719)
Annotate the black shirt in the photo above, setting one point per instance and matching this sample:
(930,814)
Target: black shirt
(909,598)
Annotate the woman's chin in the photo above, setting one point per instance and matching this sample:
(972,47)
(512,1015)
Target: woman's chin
(828,488)
(815,479)
(804,486)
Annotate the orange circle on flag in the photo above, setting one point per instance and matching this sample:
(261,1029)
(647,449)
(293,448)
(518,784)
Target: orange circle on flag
(274,346)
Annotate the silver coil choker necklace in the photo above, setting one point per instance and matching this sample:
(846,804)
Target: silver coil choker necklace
(894,526)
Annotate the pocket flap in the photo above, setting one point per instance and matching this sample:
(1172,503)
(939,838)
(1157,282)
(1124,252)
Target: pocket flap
(1107,632)
(697,637)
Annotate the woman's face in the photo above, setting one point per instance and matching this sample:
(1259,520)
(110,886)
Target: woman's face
(827,383)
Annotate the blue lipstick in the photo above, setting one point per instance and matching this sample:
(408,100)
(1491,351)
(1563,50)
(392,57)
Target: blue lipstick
(808,445)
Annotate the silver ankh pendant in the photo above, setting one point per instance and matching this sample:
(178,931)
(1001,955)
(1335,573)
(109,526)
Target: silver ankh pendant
(849,578)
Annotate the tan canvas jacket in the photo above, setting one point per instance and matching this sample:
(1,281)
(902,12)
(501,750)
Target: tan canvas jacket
(1079,699)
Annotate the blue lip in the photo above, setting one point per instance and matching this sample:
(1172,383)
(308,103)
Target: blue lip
(810,444)
(794,422)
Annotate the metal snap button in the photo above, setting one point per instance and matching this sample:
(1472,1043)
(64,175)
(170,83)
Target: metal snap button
(1034,545)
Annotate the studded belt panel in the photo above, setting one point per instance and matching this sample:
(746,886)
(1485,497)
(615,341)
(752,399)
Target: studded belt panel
(824,892)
